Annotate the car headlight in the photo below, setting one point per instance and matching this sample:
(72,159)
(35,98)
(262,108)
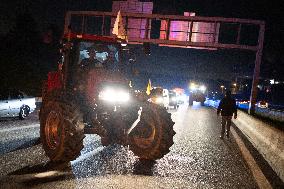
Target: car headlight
(114,95)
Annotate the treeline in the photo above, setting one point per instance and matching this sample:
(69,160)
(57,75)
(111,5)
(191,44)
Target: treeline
(27,54)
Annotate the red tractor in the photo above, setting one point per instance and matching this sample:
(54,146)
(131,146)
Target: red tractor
(90,94)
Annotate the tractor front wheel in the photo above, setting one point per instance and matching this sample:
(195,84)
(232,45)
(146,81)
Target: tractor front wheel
(153,135)
(61,130)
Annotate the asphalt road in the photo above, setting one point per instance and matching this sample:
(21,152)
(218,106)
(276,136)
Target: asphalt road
(198,159)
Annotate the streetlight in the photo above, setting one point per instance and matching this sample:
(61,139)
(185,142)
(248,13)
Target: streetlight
(235,88)
(222,88)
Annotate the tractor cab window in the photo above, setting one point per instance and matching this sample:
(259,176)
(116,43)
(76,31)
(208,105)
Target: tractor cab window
(98,55)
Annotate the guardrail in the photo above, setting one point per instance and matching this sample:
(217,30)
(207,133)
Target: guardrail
(274,114)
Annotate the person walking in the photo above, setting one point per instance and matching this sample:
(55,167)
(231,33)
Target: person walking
(228,108)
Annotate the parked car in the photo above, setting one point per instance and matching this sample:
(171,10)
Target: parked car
(262,104)
(15,103)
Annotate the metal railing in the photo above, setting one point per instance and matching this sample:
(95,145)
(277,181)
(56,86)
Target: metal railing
(153,26)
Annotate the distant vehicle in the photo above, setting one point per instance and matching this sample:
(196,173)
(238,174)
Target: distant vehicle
(197,93)
(240,101)
(180,96)
(173,99)
(262,104)
(15,103)
(160,96)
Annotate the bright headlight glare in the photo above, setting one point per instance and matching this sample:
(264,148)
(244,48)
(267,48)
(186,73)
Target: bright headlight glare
(112,95)
(122,96)
(203,88)
(193,86)
(159,100)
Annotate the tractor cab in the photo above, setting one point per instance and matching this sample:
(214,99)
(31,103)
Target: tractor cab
(87,62)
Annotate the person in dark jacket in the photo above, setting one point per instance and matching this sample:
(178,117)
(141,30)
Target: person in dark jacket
(228,108)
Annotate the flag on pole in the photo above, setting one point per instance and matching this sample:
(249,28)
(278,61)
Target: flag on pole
(118,27)
(149,87)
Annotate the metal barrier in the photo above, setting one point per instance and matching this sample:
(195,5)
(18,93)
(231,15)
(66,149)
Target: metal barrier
(277,115)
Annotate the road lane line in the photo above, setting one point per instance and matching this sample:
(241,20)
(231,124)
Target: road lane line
(19,128)
(87,155)
(258,175)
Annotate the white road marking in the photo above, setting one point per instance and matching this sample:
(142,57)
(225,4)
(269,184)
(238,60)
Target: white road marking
(87,155)
(19,128)
(258,175)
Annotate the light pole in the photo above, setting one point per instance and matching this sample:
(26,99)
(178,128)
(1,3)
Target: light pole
(234,88)
(222,88)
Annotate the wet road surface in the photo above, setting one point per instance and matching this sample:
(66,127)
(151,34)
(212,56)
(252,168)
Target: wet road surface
(198,159)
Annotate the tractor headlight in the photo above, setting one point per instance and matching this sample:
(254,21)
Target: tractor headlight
(159,100)
(193,87)
(114,95)
(202,88)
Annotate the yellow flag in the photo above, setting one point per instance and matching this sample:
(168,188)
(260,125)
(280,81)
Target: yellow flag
(118,27)
(149,87)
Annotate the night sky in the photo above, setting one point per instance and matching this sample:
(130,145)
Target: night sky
(166,63)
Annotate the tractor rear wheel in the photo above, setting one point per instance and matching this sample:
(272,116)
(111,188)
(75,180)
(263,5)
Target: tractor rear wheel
(61,130)
(153,135)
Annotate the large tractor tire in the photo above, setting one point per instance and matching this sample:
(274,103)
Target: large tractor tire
(152,138)
(61,129)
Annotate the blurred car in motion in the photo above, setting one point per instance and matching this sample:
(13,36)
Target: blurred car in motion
(262,104)
(15,103)
(173,99)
